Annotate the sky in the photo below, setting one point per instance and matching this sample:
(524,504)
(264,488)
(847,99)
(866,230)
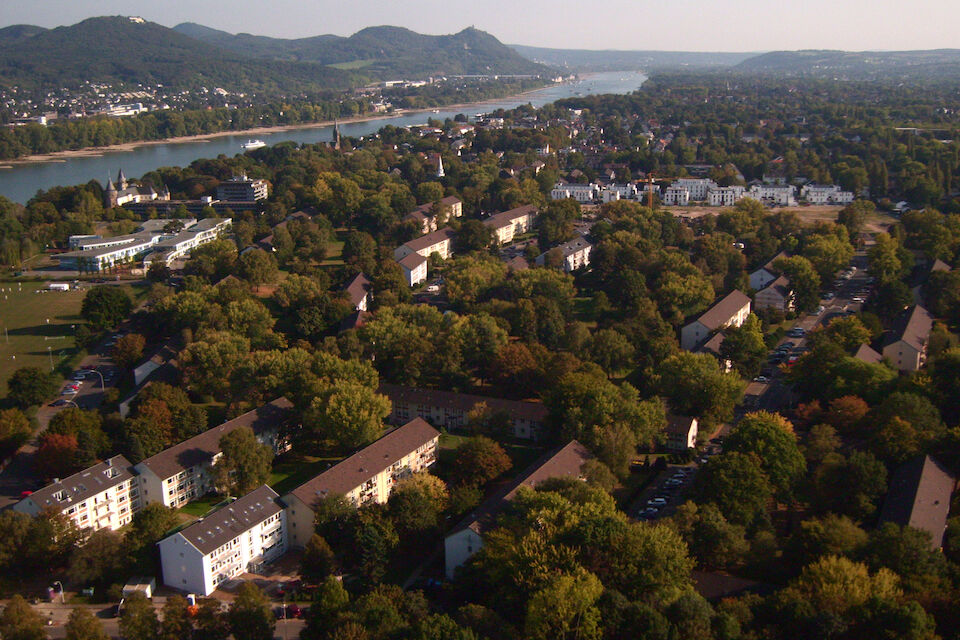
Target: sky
(667,25)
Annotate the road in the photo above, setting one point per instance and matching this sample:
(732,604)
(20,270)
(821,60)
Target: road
(19,474)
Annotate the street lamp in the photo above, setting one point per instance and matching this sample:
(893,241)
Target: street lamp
(50,354)
(59,584)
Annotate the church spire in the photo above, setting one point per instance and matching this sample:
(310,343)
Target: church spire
(440,173)
(336,134)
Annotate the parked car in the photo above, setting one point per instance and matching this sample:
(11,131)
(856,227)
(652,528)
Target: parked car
(763,379)
(68,391)
(656,502)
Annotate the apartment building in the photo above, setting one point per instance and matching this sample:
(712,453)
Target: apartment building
(906,344)
(449,409)
(784,195)
(725,196)
(574,255)
(365,477)
(238,538)
(776,295)
(507,224)
(582,193)
(732,310)
(696,187)
(414,269)
(676,196)
(440,242)
(242,189)
(429,220)
(825,194)
(182,473)
(105,496)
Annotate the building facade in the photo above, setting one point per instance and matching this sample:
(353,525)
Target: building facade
(732,310)
(242,189)
(235,539)
(582,193)
(439,242)
(183,472)
(906,346)
(776,295)
(366,477)
(507,224)
(725,196)
(105,496)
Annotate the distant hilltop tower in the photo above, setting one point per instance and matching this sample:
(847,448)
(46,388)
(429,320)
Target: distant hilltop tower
(336,134)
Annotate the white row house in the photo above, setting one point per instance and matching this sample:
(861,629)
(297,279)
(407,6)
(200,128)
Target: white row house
(696,187)
(732,310)
(725,196)
(774,194)
(676,196)
(583,193)
(507,224)
(105,496)
(235,539)
(440,242)
(574,254)
(825,194)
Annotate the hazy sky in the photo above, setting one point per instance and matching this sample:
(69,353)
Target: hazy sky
(677,25)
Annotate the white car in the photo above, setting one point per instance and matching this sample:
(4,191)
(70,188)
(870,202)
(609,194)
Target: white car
(656,502)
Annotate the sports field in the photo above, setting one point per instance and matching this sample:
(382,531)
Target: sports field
(32,319)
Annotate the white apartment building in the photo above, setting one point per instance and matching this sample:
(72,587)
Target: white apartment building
(732,310)
(449,207)
(725,196)
(182,473)
(507,224)
(365,477)
(440,241)
(697,187)
(414,269)
(575,255)
(582,193)
(825,194)
(775,194)
(676,196)
(238,538)
(105,496)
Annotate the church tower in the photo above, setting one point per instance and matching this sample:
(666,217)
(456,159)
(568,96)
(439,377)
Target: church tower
(440,173)
(336,134)
(110,194)
(121,181)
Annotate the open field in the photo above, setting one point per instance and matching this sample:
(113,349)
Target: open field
(811,214)
(34,319)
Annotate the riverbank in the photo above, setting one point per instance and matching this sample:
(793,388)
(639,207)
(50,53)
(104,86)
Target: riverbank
(94,152)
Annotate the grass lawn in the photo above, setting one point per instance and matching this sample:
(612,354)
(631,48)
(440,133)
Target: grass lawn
(290,472)
(583,310)
(34,319)
(200,508)
(353,64)
(335,249)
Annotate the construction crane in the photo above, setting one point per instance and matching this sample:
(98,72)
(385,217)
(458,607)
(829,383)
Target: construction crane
(650,180)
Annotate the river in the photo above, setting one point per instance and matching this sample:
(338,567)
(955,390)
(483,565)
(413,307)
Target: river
(20,182)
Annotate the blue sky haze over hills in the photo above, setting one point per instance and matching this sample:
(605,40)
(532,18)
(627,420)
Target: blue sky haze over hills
(679,25)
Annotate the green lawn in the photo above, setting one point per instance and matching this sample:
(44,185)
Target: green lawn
(290,473)
(32,319)
(31,322)
(335,250)
(203,506)
(353,64)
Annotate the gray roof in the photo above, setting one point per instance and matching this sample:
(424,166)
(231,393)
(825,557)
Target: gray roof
(84,484)
(781,285)
(232,520)
(919,496)
(573,246)
(431,239)
(867,354)
(913,327)
(358,288)
(565,462)
(713,344)
(504,218)
(367,463)
(411,261)
(719,314)
(939,265)
(200,449)
(679,425)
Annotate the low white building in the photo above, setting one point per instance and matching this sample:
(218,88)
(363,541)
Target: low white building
(681,432)
(906,344)
(360,292)
(582,193)
(784,195)
(825,194)
(776,295)
(439,242)
(676,196)
(105,496)
(732,310)
(696,187)
(182,473)
(433,215)
(235,539)
(725,196)
(414,269)
(507,224)
(574,254)
(762,276)
(366,477)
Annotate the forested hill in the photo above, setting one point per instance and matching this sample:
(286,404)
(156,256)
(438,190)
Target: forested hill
(616,60)
(858,65)
(382,52)
(118,49)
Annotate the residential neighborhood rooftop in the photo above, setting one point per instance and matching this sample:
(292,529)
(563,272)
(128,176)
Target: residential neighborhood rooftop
(919,496)
(83,484)
(230,521)
(720,313)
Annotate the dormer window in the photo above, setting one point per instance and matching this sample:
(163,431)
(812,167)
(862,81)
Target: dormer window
(60,496)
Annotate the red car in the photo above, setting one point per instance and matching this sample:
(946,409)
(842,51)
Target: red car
(24,494)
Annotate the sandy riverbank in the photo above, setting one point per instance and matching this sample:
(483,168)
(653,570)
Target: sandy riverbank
(63,156)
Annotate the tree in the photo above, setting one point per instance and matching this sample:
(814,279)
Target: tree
(416,503)
(712,540)
(803,278)
(854,215)
(347,414)
(907,552)
(736,484)
(149,525)
(850,486)
(770,437)
(744,347)
(611,350)
(375,540)
(176,623)
(105,306)
(831,535)
(129,350)
(14,531)
(828,253)
(138,619)
(211,623)
(56,455)
(695,385)
(28,386)
(360,251)
(884,263)
(20,622)
(318,560)
(835,584)
(441,627)
(14,430)
(478,461)
(99,559)
(846,412)
(245,463)
(566,609)
(83,625)
(473,235)
(822,440)
(250,616)
(258,267)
